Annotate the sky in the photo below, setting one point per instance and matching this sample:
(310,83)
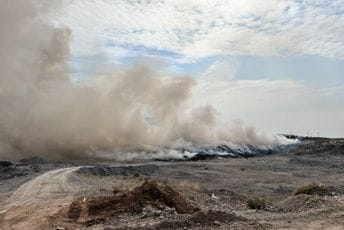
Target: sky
(275,64)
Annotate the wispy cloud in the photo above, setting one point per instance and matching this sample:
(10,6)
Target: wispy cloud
(209,35)
(276,106)
(198,29)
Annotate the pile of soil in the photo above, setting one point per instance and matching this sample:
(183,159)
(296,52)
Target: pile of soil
(320,190)
(98,209)
(304,202)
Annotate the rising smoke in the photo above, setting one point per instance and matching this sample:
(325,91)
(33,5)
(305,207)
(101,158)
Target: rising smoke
(43,113)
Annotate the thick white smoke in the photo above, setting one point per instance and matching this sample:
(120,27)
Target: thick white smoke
(43,113)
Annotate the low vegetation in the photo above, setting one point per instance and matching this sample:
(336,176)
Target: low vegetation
(256,203)
(315,189)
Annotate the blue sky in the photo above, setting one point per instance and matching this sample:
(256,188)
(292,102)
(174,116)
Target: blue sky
(290,52)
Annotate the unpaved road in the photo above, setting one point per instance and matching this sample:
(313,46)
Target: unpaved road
(52,183)
(30,204)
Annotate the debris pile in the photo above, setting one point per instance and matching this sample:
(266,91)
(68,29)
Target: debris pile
(99,209)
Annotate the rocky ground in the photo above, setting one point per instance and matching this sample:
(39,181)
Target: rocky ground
(297,188)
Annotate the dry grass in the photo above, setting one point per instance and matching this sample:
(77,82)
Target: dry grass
(315,189)
(256,203)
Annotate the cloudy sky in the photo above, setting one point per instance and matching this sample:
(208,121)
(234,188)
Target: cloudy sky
(277,65)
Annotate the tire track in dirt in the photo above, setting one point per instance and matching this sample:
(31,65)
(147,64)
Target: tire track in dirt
(30,206)
(51,183)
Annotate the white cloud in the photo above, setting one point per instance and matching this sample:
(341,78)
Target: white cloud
(196,29)
(193,29)
(276,106)
(225,69)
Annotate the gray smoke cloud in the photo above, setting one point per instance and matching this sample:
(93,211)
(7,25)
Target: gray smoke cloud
(43,113)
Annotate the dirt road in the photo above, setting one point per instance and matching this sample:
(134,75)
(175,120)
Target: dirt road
(52,183)
(29,205)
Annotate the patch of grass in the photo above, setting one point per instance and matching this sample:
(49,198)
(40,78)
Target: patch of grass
(256,203)
(314,189)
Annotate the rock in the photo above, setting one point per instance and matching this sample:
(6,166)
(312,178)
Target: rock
(213,196)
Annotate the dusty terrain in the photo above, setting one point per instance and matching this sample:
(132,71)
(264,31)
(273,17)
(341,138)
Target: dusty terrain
(234,193)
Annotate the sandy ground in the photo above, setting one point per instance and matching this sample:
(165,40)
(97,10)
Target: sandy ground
(40,200)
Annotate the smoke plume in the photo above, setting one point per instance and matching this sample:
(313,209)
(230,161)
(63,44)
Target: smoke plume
(43,113)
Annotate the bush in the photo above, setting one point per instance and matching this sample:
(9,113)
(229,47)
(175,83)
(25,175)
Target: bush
(256,203)
(314,189)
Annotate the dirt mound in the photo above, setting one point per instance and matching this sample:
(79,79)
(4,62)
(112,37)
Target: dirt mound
(103,170)
(98,209)
(321,146)
(201,219)
(304,202)
(321,190)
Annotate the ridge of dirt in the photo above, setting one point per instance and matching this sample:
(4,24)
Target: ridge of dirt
(150,192)
(304,202)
